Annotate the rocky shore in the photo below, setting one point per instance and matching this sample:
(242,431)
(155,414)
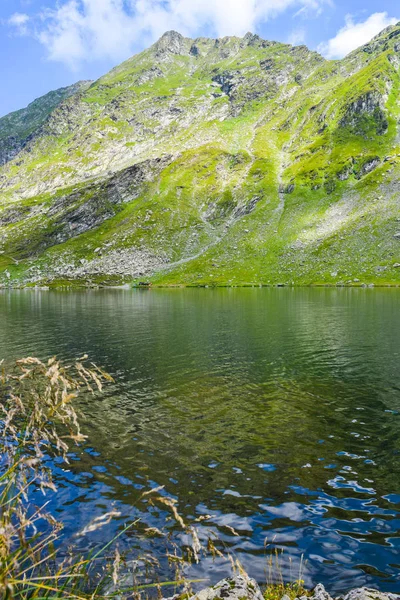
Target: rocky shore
(244,588)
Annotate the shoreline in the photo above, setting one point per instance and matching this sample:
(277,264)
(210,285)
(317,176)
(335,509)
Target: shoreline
(74,285)
(126,288)
(242,587)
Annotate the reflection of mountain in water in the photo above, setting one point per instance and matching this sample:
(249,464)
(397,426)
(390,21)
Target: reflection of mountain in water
(274,411)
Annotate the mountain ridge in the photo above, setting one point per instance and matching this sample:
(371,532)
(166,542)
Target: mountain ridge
(253,156)
(18,125)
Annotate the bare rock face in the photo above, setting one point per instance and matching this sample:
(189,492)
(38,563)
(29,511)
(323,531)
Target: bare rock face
(172,42)
(372,104)
(84,208)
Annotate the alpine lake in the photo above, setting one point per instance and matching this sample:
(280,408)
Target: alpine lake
(273,412)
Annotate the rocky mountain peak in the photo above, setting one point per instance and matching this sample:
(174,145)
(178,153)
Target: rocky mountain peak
(252,39)
(173,42)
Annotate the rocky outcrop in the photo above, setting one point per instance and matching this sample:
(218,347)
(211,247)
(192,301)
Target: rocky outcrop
(229,81)
(244,588)
(172,42)
(85,208)
(149,75)
(368,594)
(10,147)
(13,214)
(371,104)
(235,588)
(366,166)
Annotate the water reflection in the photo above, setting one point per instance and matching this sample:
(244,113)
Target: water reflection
(274,411)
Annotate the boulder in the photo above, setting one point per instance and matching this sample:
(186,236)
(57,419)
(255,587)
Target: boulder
(368,594)
(320,593)
(234,588)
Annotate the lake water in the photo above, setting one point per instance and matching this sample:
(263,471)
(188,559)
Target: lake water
(274,411)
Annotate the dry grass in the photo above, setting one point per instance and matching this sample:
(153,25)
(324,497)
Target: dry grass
(38,422)
(277,587)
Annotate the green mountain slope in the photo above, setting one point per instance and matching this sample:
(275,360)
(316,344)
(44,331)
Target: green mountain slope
(213,162)
(17,128)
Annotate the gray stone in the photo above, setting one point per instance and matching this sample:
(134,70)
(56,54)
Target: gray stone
(172,42)
(320,593)
(244,588)
(370,103)
(368,594)
(235,588)
(367,167)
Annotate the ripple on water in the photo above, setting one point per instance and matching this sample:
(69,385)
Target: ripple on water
(274,412)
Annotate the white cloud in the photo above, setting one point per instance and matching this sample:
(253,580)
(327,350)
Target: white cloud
(314,6)
(19,22)
(83,30)
(297,37)
(353,35)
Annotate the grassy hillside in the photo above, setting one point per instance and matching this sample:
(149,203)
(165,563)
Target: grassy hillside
(17,128)
(214,162)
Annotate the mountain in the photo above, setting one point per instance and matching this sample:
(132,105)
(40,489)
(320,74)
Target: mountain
(17,127)
(209,162)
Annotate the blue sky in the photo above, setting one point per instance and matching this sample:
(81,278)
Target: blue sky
(47,44)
